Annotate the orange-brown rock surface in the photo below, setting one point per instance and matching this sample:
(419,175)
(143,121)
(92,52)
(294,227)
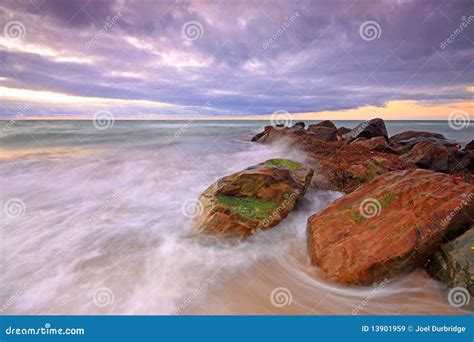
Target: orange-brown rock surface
(389,225)
(258,197)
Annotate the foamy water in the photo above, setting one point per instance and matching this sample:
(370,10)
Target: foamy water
(93,223)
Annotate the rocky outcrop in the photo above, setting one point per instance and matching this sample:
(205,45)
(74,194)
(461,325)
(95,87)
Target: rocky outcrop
(374,144)
(368,129)
(341,131)
(453,265)
(405,146)
(429,156)
(469,146)
(407,135)
(323,133)
(258,197)
(389,225)
(325,123)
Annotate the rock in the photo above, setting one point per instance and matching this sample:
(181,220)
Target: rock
(461,161)
(325,123)
(342,130)
(389,225)
(258,136)
(299,124)
(258,197)
(469,146)
(429,156)
(414,134)
(374,144)
(341,166)
(368,129)
(453,265)
(323,133)
(405,146)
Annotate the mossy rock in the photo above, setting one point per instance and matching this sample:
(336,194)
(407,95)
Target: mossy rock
(258,197)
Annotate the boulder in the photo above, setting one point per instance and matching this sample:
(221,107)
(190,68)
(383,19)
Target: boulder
(405,146)
(258,197)
(300,124)
(368,129)
(453,265)
(342,130)
(469,146)
(325,123)
(270,133)
(429,156)
(389,225)
(374,144)
(414,134)
(323,133)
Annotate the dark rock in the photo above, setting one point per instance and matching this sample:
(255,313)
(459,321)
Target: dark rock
(325,123)
(429,156)
(323,133)
(299,124)
(368,129)
(453,265)
(342,130)
(405,146)
(414,134)
(374,144)
(469,146)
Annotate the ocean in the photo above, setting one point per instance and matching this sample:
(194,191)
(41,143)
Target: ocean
(96,220)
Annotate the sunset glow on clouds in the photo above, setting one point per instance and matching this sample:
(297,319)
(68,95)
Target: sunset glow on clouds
(229,59)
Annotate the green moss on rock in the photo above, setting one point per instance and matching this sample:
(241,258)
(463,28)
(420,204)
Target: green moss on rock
(286,163)
(249,207)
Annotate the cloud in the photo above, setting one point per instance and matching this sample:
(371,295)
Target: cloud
(250,58)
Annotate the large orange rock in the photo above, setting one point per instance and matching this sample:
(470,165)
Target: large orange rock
(258,197)
(389,225)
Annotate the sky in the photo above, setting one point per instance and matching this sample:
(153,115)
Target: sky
(236,59)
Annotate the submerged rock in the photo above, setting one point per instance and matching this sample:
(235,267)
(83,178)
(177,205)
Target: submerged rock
(389,225)
(453,265)
(258,197)
(368,129)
